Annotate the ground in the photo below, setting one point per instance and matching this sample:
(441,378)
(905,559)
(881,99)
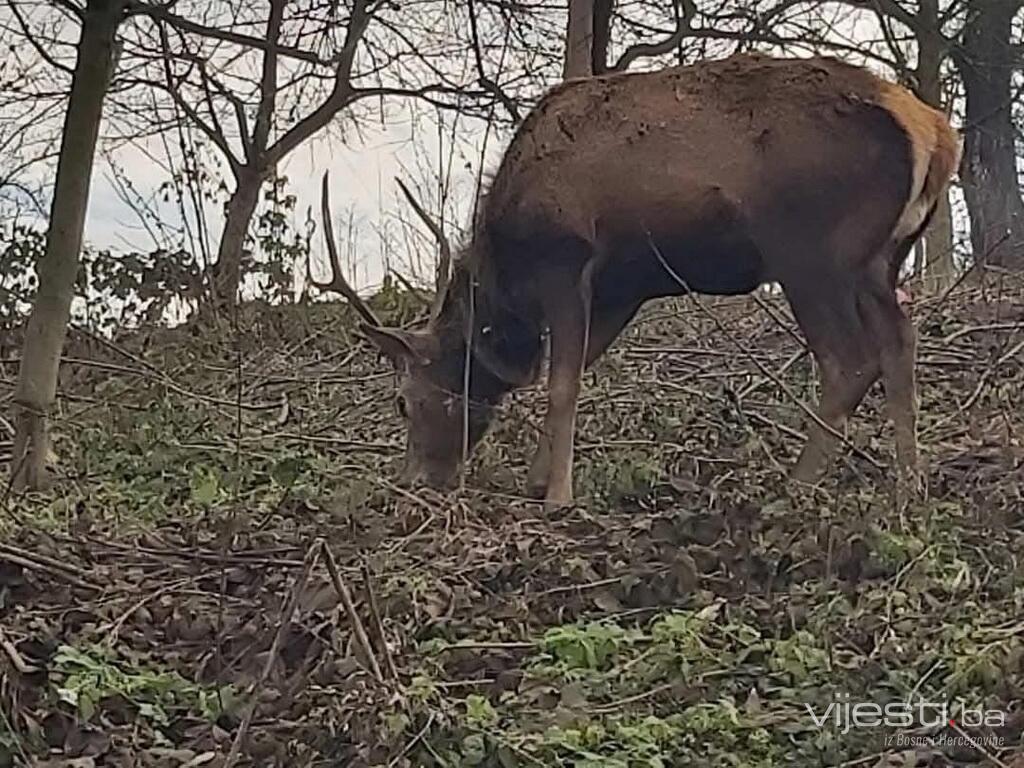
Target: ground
(226,574)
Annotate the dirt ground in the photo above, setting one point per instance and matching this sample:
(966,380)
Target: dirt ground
(225,573)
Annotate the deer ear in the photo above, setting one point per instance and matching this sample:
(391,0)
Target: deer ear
(398,345)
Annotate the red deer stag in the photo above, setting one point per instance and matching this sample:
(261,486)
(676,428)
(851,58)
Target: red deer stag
(714,178)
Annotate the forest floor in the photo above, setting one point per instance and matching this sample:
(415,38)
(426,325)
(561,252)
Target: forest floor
(225,533)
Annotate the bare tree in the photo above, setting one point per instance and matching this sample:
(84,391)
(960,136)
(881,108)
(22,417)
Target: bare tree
(195,86)
(579,39)
(47,325)
(987,60)
(312,66)
(587,37)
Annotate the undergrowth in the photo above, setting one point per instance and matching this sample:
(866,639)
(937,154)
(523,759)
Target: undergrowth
(692,610)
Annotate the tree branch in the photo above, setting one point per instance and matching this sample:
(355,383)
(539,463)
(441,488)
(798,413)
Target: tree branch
(236,104)
(893,10)
(268,80)
(162,14)
(43,53)
(342,94)
(71,8)
(485,82)
(217,137)
(683,29)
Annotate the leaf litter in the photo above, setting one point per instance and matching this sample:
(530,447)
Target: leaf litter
(179,599)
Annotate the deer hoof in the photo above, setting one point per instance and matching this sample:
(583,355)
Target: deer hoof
(555,502)
(536,489)
(911,485)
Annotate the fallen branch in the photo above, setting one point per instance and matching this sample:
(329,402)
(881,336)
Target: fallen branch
(23,667)
(350,608)
(40,563)
(287,612)
(378,625)
(412,742)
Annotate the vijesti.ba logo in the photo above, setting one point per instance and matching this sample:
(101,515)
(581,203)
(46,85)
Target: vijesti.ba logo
(845,713)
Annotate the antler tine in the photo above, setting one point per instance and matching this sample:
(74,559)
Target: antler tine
(445,264)
(433,226)
(338,282)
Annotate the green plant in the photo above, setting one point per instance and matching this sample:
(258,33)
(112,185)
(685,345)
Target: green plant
(84,678)
(591,646)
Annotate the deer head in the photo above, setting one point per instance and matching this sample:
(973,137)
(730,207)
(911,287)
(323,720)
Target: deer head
(429,398)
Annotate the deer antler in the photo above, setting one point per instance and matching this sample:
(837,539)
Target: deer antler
(445,264)
(338,282)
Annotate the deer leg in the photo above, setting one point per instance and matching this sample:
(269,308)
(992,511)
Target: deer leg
(568,310)
(848,364)
(605,326)
(844,385)
(897,343)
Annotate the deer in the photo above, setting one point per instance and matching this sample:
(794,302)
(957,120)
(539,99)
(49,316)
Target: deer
(714,179)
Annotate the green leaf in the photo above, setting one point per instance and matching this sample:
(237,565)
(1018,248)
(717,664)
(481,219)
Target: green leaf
(479,712)
(288,470)
(205,487)
(86,704)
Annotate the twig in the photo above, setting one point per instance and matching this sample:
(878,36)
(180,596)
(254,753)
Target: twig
(33,564)
(115,626)
(23,667)
(484,645)
(353,616)
(371,600)
(412,742)
(44,559)
(287,612)
(574,587)
(9,727)
(780,322)
(756,385)
(979,328)
(987,376)
(607,708)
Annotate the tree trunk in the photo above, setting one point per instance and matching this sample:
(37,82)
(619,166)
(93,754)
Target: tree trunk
(579,39)
(227,271)
(989,167)
(919,263)
(939,269)
(36,389)
(602,35)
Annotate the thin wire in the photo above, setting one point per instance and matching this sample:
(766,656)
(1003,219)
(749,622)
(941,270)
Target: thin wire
(471,287)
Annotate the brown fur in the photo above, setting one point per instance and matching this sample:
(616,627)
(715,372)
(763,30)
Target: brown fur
(936,149)
(807,172)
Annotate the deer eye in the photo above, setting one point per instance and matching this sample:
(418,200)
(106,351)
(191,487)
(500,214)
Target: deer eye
(402,406)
